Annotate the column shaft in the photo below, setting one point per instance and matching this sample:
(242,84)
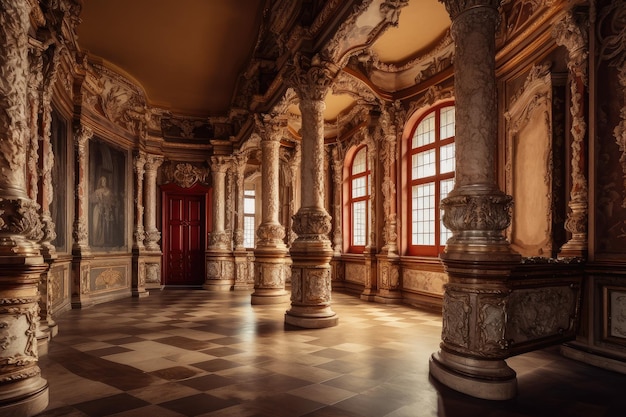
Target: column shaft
(23,392)
(270,251)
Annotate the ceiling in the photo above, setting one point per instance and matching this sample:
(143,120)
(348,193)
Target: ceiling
(187,54)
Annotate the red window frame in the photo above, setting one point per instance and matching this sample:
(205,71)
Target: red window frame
(437,248)
(357,248)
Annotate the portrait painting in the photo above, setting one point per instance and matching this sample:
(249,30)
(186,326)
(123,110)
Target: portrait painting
(107,190)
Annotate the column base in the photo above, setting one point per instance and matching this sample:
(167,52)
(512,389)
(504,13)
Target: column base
(368,295)
(265,297)
(218,285)
(140,293)
(26,404)
(485,379)
(310,318)
(388,297)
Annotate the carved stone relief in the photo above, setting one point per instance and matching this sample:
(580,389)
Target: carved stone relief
(424,281)
(355,273)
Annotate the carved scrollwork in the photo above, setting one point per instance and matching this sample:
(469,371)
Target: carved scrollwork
(477,212)
(308,223)
(311,77)
(271,232)
(20,217)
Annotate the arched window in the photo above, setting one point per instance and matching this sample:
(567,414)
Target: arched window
(431,177)
(359,200)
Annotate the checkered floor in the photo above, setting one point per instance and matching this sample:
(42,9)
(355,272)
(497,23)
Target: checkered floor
(197,353)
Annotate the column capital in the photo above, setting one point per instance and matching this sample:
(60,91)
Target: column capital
(153,162)
(270,127)
(311,77)
(457,7)
(219,163)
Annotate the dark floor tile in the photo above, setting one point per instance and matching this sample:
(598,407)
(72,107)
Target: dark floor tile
(215,365)
(222,351)
(107,351)
(184,342)
(285,405)
(175,373)
(110,405)
(207,382)
(197,404)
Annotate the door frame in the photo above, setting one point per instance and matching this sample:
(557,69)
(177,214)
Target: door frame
(169,189)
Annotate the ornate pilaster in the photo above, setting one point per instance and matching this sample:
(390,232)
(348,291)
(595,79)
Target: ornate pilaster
(478,258)
(270,251)
(311,252)
(220,273)
(138,286)
(242,261)
(23,392)
(388,268)
(50,62)
(337,164)
(152,234)
(572,34)
(81,262)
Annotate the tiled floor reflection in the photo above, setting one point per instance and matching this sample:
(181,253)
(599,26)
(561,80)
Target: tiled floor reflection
(196,353)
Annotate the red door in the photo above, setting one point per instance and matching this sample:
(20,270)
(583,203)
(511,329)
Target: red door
(184,245)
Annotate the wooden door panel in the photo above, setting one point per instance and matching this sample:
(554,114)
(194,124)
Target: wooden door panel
(185,247)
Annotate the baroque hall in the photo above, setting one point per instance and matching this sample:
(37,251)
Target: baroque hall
(295,161)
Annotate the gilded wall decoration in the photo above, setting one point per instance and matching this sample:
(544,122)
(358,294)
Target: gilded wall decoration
(108,279)
(185,174)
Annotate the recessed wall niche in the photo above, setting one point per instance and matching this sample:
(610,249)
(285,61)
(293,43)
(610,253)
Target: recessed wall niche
(107,197)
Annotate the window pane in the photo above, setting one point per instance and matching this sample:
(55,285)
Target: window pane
(423,164)
(359,163)
(425,132)
(359,228)
(423,214)
(248,231)
(445,187)
(446,159)
(248,205)
(359,187)
(447,122)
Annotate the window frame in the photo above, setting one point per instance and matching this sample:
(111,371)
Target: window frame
(250,195)
(366,197)
(437,179)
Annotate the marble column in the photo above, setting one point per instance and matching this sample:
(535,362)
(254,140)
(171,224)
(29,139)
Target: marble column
(152,234)
(336,264)
(311,252)
(573,35)
(81,252)
(478,258)
(270,251)
(220,273)
(23,392)
(388,257)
